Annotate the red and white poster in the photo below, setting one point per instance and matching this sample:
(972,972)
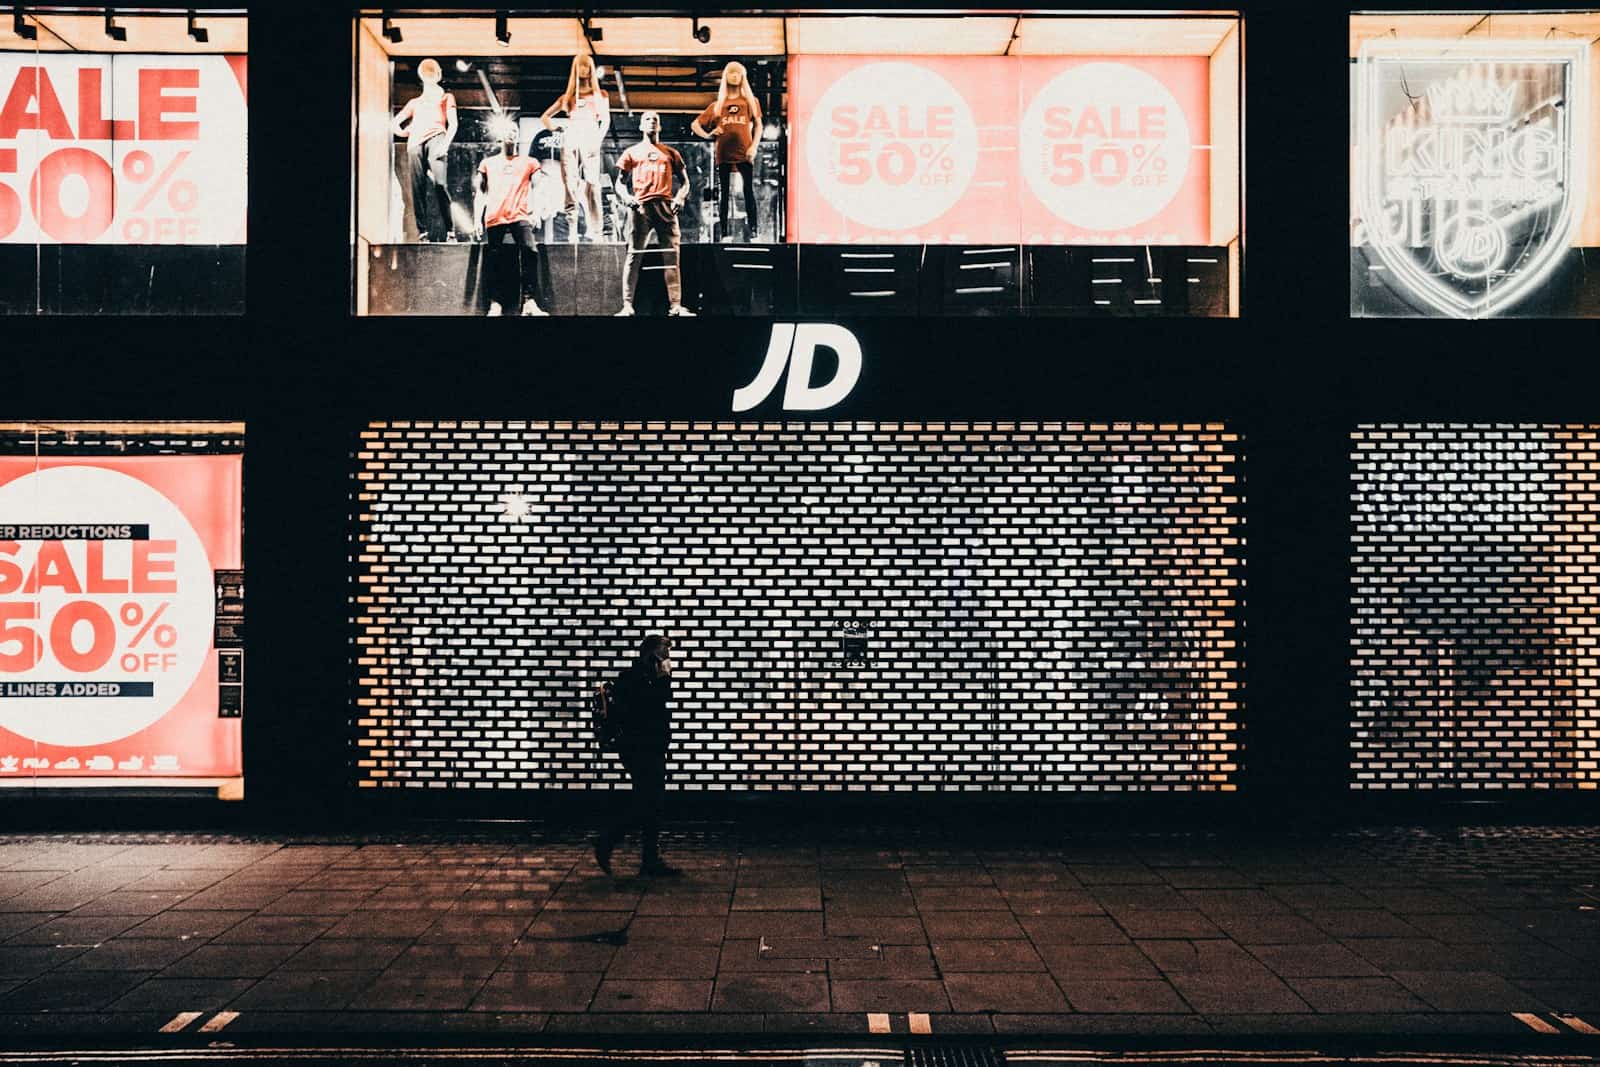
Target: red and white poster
(122,149)
(109,584)
(979,149)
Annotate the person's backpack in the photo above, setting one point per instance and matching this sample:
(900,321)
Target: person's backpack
(605,720)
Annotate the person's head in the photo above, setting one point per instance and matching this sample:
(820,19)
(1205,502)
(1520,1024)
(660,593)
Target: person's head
(733,75)
(655,652)
(650,125)
(429,71)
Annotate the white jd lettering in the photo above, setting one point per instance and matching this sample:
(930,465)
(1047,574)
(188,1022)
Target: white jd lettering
(794,345)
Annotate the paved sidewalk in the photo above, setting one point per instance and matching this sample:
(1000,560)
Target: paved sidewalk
(1482,932)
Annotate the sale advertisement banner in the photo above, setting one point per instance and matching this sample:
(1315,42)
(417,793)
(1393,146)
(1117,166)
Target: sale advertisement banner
(1116,150)
(109,576)
(979,149)
(122,149)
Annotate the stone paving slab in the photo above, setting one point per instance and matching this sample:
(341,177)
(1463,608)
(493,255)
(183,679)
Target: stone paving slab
(767,932)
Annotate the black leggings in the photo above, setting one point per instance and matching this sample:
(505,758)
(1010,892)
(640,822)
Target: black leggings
(648,770)
(430,196)
(724,174)
(510,271)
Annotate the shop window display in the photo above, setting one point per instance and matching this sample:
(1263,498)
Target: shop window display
(122,606)
(1017,164)
(1473,185)
(122,161)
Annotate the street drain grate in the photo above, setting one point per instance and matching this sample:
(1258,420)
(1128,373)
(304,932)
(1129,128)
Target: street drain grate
(953,1056)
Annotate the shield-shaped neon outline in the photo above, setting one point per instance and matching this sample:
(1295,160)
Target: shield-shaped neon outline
(1369,155)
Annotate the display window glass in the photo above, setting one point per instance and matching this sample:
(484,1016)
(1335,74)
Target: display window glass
(122,161)
(122,606)
(1473,189)
(1020,163)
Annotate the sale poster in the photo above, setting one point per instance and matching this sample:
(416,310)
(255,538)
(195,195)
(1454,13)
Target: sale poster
(122,149)
(979,149)
(111,570)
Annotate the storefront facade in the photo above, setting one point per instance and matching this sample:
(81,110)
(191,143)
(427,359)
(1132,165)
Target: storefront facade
(1295,561)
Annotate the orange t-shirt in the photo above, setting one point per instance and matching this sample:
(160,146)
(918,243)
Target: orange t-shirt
(429,118)
(507,197)
(738,123)
(651,166)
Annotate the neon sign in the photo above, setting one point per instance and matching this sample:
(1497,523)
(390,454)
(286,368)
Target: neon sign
(1470,169)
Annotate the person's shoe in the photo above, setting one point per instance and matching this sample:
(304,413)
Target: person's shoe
(602,856)
(531,307)
(627,310)
(495,309)
(679,311)
(658,869)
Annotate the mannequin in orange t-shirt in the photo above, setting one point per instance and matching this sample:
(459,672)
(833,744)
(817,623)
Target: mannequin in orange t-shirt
(734,122)
(428,123)
(504,210)
(644,186)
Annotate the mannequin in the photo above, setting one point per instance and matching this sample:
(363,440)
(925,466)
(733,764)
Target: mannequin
(504,211)
(645,175)
(588,111)
(734,122)
(428,123)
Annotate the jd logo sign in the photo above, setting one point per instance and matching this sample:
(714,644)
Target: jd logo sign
(794,345)
(1472,166)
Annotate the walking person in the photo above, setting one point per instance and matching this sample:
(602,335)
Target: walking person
(644,185)
(733,120)
(643,725)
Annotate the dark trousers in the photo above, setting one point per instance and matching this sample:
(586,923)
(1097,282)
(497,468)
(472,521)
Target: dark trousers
(647,769)
(509,263)
(657,217)
(430,195)
(748,183)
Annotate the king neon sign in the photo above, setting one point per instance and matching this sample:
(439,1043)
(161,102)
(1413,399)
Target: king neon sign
(1471,166)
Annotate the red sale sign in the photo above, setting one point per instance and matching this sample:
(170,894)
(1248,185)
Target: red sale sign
(973,150)
(122,149)
(108,594)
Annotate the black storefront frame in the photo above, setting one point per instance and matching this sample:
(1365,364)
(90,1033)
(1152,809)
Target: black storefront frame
(1293,377)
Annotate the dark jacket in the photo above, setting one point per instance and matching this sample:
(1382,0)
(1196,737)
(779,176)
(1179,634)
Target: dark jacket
(639,706)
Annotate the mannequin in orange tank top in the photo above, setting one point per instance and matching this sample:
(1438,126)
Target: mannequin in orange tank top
(428,123)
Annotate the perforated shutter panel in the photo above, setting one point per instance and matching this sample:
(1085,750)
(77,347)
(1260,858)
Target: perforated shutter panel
(1475,566)
(1047,605)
